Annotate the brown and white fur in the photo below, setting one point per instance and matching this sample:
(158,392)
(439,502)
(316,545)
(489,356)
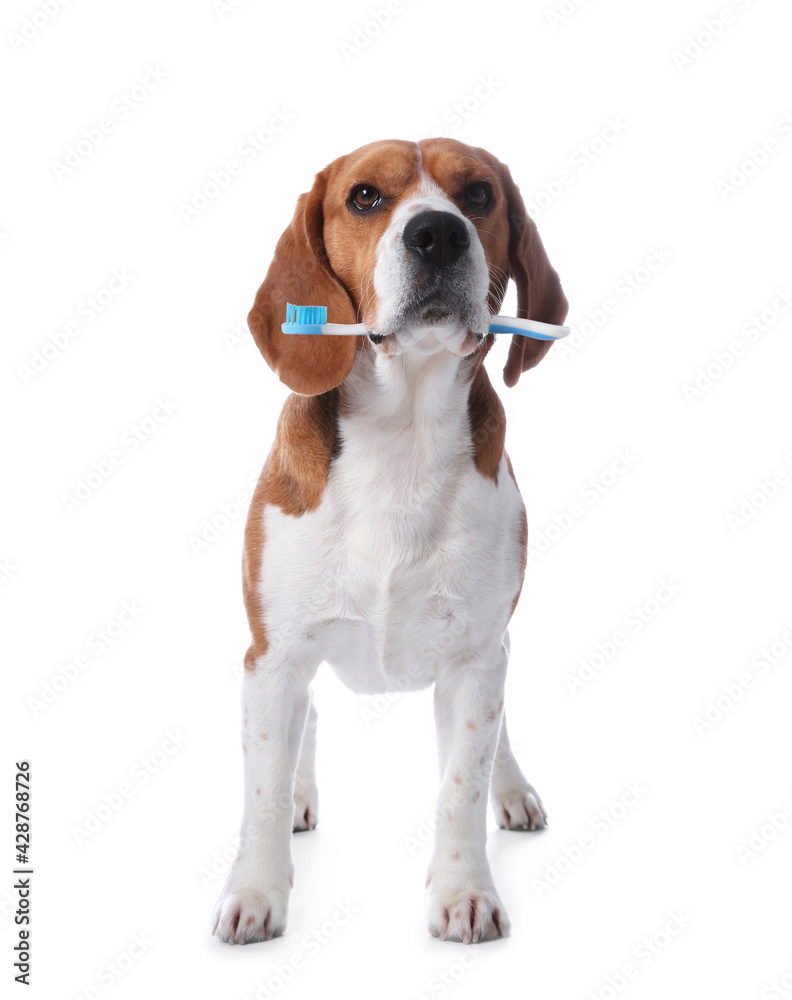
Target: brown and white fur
(387,536)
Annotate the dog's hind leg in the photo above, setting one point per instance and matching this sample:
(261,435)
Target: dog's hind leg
(306,794)
(515,801)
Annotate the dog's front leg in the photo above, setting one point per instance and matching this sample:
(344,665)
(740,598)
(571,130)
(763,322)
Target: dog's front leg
(463,902)
(254,900)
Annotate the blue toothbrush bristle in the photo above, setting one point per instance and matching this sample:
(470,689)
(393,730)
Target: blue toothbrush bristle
(306,315)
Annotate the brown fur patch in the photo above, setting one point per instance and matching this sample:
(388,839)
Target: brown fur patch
(487,425)
(293,479)
(295,472)
(351,238)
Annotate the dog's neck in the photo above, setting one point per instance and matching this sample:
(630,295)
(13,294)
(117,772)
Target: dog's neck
(409,410)
(414,388)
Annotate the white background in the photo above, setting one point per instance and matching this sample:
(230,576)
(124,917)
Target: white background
(176,332)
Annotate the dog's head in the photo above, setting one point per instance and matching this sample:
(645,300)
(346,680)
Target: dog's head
(415,240)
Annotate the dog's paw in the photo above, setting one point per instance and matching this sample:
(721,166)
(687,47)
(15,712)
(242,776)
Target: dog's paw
(519,809)
(306,808)
(467,915)
(249,915)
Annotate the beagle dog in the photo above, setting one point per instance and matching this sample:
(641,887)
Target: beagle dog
(387,536)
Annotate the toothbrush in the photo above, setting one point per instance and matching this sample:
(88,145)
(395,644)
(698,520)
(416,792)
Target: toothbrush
(313,320)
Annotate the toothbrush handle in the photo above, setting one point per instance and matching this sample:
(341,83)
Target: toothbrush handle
(532,328)
(345,329)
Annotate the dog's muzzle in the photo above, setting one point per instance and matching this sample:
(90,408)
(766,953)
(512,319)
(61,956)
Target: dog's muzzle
(434,277)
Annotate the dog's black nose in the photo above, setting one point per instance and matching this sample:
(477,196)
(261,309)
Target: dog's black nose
(439,238)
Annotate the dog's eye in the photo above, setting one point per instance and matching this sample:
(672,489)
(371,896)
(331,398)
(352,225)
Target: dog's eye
(364,197)
(478,195)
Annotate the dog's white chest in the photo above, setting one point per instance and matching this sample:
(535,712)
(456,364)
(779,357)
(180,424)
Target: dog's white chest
(410,557)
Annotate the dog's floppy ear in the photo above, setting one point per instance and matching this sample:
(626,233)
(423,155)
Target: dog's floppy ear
(539,293)
(300,273)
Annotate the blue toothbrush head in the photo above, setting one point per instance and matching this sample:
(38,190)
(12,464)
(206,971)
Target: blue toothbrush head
(304,319)
(306,315)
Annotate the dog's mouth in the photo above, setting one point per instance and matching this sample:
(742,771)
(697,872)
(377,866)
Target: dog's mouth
(445,309)
(433,318)
(431,325)
(434,311)
(431,310)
